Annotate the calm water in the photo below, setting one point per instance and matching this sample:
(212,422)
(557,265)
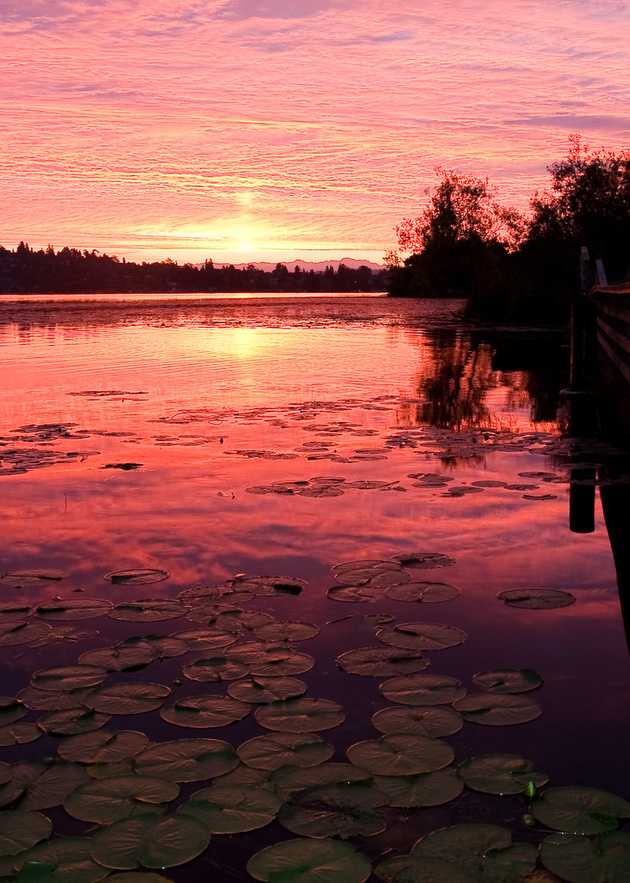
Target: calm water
(206,394)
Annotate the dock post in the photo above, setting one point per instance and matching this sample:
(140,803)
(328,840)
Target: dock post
(579,398)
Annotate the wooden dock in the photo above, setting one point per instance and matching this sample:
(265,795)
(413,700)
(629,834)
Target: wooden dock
(612,355)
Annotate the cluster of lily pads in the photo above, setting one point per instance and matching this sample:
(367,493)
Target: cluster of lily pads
(128,789)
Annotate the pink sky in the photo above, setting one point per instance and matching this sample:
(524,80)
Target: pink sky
(275,129)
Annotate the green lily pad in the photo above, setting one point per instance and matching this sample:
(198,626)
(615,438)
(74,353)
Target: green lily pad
(51,787)
(425,789)
(11,710)
(404,869)
(47,700)
(187,760)
(16,778)
(508,680)
(462,845)
(161,842)
(501,774)
(421,636)
(434,722)
(275,661)
(62,860)
(109,800)
(138,877)
(232,810)
(136,698)
(400,754)
(14,634)
(246,622)
(206,639)
(73,609)
(423,592)
(497,710)
(19,734)
(580,810)
(275,750)
(20,830)
(287,631)
(262,691)
(14,610)
(103,746)
(148,610)
(382,661)
(355,571)
(537,599)
(216,668)
(352,594)
(344,809)
(605,859)
(300,715)
(138,577)
(244,775)
(73,722)
(515,862)
(111,770)
(201,712)
(66,678)
(304,860)
(290,779)
(423,689)
(262,586)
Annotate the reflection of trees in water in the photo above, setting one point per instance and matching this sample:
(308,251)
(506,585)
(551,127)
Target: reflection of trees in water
(467,381)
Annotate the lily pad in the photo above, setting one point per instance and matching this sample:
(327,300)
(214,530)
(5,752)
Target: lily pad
(304,860)
(400,754)
(62,860)
(109,800)
(421,636)
(19,734)
(47,700)
(287,631)
(15,633)
(139,877)
(73,721)
(244,775)
(580,810)
(20,830)
(423,689)
(423,592)
(135,698)
(262,691)
(508,680)
(605,859)
(344,809)
(206,639)
(232,810)
(52,786)
(111,770)
(103,746)
(501,774)
(425,789)
(150,842)
(187,760)
(74,609)
(300,715)
(135,653)
(139,577)
(434,722)
(464,845)
(515,862)
(537,599)
(289,780)
(148,610)
(423,560)
(11,710)
(382,661)
(264,660)
(215,668)
(404,869)
(497,710)
(201,712)
(66,678)
(275,750)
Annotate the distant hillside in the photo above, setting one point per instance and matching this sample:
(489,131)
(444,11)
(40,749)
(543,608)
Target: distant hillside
(317,266)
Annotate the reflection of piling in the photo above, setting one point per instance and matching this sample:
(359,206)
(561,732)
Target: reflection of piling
(579,398)
(615,496)
(582,501)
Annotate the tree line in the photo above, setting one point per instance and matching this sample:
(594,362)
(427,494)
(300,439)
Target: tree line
(513,265)
(72,271)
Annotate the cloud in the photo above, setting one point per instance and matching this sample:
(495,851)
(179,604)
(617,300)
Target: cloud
(576,122)
(279,9)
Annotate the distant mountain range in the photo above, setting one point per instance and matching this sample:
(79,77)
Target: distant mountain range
(317,266)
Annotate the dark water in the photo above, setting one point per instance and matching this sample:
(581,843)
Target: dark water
(205,394)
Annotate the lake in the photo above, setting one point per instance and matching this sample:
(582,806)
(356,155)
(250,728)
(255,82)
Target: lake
(269,483)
